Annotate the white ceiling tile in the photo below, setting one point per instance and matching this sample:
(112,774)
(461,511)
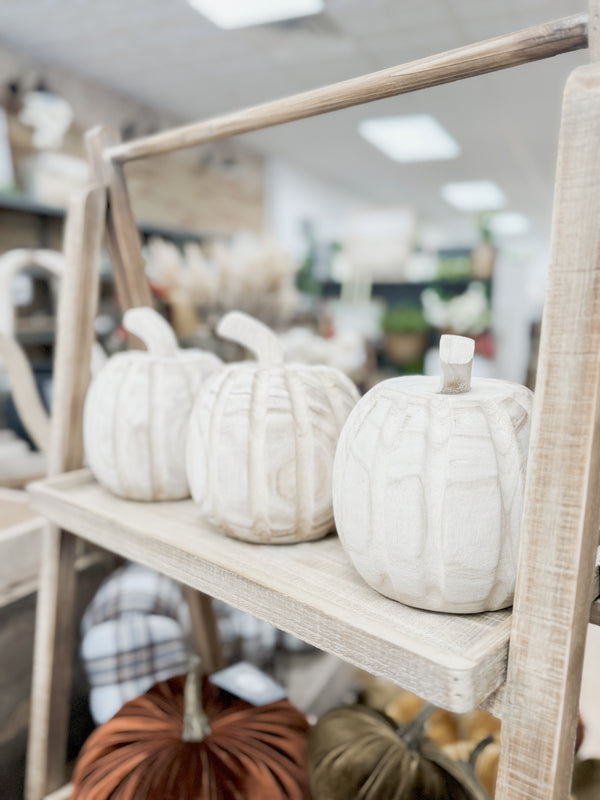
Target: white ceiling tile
(313,73)
(173,59)
(385,17)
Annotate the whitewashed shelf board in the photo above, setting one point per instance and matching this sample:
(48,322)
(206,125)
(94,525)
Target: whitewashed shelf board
(309,589)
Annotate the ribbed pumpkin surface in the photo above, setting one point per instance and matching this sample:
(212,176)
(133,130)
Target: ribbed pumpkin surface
(357,753)
(276,430)
(428,491)
(135,422)
(251,752)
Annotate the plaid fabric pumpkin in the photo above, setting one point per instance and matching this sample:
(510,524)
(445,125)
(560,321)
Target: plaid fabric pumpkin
(137,589)
(135,632)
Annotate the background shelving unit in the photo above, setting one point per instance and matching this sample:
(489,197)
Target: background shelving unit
(36,332)
(17,203)
(456,660)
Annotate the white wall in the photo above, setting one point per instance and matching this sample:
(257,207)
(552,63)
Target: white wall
(518,292)
(293,196)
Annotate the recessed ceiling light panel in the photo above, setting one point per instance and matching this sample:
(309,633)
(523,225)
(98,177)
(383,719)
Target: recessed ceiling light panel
(410,138)
(474,195)
(242,13)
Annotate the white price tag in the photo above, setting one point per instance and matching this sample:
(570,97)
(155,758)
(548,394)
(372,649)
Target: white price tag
(22,290)
(247,682)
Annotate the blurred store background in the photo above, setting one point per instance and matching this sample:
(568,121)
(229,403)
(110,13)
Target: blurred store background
(360,236)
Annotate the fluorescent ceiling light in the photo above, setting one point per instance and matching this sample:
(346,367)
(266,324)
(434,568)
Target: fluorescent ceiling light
(474,195)
(509,223)
(415,137)
(241,13)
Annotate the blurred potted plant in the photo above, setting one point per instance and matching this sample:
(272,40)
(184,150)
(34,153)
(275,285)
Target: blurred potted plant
(406,333)
(483,255)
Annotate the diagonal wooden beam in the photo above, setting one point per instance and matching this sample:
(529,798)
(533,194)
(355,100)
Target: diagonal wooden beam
(510,50)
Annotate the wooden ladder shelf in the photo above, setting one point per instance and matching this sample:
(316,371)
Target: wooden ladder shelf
(310,590)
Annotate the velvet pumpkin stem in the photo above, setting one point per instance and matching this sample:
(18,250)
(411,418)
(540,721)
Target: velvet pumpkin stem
(253,335)
(456,359)
(154,331)
(196,726)
(412,733)
(478,749)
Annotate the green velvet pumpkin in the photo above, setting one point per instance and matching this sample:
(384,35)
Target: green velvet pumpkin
(357,753)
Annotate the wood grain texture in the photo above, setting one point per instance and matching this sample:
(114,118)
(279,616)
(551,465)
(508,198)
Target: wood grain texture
(124,245)
(426,652)
(274,426)
(137,412)
(276,430)
(531,44)
(562,502)
(428,491)
(19,558)
(54,633)
(122,236)
(75,331)
(205,636)
(456,363)
(307,589)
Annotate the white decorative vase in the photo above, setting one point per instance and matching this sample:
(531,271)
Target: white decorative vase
(428,486)
(262,440)
(137,411)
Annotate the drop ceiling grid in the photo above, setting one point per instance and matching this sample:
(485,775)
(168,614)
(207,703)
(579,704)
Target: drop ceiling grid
(171,58)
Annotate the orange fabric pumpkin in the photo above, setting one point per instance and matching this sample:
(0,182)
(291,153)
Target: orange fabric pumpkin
(234,751)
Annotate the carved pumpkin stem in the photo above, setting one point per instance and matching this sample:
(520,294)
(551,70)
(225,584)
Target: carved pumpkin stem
(154,331)
(253,335)
(196,726)
(412,733)
(456,358)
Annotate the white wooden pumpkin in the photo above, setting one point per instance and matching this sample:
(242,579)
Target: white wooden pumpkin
(428,486)
(137,412)
(262,440)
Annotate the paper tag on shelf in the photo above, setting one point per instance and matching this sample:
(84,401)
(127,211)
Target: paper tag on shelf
(247,682)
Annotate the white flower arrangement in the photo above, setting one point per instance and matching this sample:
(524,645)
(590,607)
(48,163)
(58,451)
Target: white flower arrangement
(467,313)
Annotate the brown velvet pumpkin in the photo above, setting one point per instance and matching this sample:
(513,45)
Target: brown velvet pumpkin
(357,753)
(162,747)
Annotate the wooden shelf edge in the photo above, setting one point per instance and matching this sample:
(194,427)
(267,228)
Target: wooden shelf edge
(200,557)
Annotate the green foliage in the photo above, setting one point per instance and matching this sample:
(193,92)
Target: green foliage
(404,319)
(454,267)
